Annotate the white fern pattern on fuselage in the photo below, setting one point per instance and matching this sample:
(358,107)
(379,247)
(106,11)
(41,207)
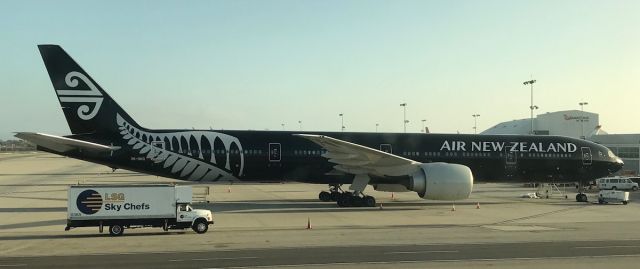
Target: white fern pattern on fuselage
(190,162)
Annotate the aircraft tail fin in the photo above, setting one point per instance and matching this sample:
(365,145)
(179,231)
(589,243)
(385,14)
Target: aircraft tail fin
(86,106)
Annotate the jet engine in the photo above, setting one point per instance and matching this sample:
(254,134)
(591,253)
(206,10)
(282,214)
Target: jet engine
(442,181)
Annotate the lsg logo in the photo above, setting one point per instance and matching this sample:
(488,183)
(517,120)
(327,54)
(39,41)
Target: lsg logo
(89,202)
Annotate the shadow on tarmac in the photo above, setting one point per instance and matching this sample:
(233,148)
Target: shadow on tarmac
(313,206)
(96,235)
(33,224)
(32,210)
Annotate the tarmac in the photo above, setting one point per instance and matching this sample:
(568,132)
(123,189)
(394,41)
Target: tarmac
(265,225)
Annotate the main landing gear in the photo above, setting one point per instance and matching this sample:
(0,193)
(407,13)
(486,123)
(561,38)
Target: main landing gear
(581,196)
(347,199)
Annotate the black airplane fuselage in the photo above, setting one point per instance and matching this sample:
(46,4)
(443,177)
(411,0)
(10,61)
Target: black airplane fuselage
(281,156)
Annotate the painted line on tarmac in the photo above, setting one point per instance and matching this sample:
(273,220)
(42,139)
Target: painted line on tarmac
(420,261)
(599,247)
(424,251)
(12,265)
(214,259)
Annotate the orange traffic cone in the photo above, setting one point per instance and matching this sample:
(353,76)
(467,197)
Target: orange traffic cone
(478,205)
(308,223)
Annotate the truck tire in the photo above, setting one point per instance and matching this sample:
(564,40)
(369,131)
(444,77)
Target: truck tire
(200,226)
(116,230)
(634,188)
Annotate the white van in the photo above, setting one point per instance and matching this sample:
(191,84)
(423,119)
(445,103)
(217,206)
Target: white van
(616,183)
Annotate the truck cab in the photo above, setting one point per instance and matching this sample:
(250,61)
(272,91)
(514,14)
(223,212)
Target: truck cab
(198,219)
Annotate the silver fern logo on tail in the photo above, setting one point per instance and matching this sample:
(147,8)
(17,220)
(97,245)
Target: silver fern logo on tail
(190,155)
(92,95)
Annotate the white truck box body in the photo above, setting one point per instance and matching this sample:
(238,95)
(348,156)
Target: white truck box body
(125,202)
(184,194)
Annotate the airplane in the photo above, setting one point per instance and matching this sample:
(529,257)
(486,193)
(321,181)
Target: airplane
(436,166)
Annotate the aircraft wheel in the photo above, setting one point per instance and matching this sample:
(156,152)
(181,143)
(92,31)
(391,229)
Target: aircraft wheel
(335,196)
(625,202)
(614,188)
(369,201)
(357,201)
(581,197)
(324,196)
(345,200)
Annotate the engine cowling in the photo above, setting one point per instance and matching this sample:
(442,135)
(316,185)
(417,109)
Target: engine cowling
(442,181)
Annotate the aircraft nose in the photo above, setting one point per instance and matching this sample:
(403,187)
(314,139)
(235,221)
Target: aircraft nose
(616,165)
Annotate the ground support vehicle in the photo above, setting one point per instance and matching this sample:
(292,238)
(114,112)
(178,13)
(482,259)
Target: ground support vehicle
(134,206)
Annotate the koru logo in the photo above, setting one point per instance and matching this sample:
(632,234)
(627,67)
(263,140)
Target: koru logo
(89,202)
(91,95)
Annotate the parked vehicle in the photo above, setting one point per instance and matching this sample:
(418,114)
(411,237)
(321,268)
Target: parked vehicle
(135,206)
(610,196)
(616,183)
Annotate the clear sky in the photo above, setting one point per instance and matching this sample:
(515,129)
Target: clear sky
(258,64)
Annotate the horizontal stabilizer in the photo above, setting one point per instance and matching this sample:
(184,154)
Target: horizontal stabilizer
(62,144)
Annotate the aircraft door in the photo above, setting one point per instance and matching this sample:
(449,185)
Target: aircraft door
(587,158)
(386,148)
(275,152)
(511,157)
(510,161)
(274,164)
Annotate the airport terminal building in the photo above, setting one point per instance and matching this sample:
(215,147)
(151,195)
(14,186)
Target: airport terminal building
(576,123)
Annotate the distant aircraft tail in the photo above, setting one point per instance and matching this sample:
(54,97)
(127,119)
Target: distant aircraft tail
(86,106)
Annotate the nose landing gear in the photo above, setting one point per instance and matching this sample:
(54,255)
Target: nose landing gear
(581,196)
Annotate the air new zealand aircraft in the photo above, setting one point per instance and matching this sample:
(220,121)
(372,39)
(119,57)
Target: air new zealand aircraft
(436,166)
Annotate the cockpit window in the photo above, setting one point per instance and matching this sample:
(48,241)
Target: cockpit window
(611,155)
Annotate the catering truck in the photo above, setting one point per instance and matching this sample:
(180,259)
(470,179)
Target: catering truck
(134,206)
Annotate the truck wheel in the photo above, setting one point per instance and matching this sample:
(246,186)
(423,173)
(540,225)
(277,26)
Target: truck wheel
(625,202)
(634,188)
(200,226)
(116,230)
(614,188)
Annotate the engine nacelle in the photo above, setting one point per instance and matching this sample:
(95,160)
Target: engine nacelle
(442,181)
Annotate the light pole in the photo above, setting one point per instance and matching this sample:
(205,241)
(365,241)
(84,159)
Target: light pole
(423,129)
(300,123)
(530,82)
(405,121)
(582,104)
(377,127)
(341,122)
(475,123)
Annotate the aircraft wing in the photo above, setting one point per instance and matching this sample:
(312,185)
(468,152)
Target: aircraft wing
(357,159)
(62,144)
